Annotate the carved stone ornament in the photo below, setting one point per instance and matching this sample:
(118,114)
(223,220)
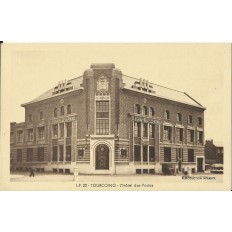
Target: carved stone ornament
(102,84)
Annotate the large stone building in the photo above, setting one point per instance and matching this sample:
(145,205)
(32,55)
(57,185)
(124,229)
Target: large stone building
(105,122)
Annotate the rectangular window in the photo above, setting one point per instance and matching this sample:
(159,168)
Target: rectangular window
(151,154)
(11,137)
(61,130)
(19,136)
(19,155)
(167,133)
(30,135)
(190,155)
(200,137)
(167,154)
(137,129)
(144,153)
(41,133)
(68,153)
(29,154)
(102,117)
(137,153)
(54,154)
(151,131)
(69,129)
(179,134)
(55,131)
(190,136)
(40,153)
(145,125)
(61,150)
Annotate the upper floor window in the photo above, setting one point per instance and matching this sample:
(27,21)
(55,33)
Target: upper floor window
(69,109)
(102,117)
(190,136)
(41,116)
(19,136)
(55,130)
(145,125)
(30,134)
(137,128)
(19,155)
(151,111)
(166,115)
(200,121)
(41,133)
(136,109)
(190,119)
(152,130)
(69,129)
(200,137)
(144,110)
(11,137)
(30,118)
(40,153)
(62,110)
(55,112)
(179,134)
(179,117)
(167,133)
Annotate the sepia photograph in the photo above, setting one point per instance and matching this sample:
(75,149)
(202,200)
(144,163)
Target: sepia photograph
(125,116)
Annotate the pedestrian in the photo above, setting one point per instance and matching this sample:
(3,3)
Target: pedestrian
(32,172)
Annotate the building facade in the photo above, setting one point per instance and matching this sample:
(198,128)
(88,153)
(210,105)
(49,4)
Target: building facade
(105,122)
(213,153)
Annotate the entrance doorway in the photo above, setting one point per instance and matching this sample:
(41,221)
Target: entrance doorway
(102,157)
(200,165)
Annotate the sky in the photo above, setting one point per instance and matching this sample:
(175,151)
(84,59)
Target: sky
(201,70)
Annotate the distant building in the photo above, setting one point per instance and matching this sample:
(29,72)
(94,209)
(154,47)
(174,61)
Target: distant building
(105,122)
(213,153)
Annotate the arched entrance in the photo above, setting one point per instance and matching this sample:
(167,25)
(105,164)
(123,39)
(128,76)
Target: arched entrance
(102,157)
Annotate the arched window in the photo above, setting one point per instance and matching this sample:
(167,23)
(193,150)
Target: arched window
(41,117)
(151,111)
(62,110)
(69,109)
(199,121)
(190,119)
(55,112)
(144,110)
(166,115)
(179,117)
(136,109)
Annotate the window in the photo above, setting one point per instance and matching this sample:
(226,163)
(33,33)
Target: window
(144,110)
(137,129)
(145,153)
(167,154)
(190,119)
(69,109)
(61,148)
(167,133)
(102,117)
(30,135)
(40,153)
(151,154)
(11,137)
(41,117)
(41,133)
(151,111)
(69,129)
(55,130)
(179,152)
(200,121)
(136,109)
(30,118)
(179,117)
(137,153)
(68,153)
(166,115)
(190,155)
(54,154)
(145,130)
(61,130)
(179,134)
(190,136)
(19,136)
(19,155)
(200,137)
(29,154)
(55,112)
(62,110)
(152,131)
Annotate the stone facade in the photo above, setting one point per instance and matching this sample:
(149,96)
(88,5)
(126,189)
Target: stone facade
(105,122)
